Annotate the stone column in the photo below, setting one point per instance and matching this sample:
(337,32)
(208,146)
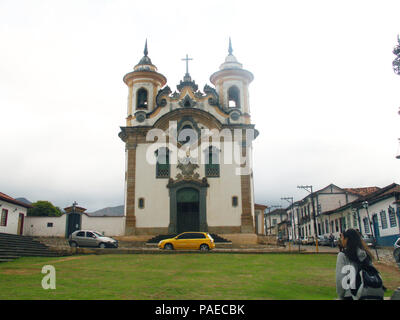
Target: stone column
(247,225)
(130,223)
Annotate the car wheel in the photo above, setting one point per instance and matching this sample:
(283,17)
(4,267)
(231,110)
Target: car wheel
(168,246)
(73,244)
(102,245)
(204,247)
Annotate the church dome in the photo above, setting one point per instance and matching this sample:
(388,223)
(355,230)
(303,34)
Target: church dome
(231,63)
(145,63)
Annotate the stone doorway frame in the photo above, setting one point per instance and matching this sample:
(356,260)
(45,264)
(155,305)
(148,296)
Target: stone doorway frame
(199,185)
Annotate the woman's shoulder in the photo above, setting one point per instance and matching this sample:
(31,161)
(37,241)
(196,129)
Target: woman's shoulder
(341,257)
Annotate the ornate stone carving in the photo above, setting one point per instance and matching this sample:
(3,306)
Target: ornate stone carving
(187,102)
(187,168)
(214,99)
(160,98)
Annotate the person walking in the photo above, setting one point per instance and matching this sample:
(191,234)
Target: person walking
(353,253)
(332,240)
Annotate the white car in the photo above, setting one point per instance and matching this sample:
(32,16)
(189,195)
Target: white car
(397,243)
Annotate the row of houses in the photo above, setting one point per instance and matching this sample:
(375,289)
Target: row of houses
(331,210)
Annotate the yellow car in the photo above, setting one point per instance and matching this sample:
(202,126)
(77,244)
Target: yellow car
(189,241)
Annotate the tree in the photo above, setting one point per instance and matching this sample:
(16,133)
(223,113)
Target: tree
(396,61)
(44,209)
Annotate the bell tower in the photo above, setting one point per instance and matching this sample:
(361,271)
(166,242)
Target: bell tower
(231,83)
(143,83)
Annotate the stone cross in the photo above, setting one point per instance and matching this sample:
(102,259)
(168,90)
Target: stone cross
(187,63)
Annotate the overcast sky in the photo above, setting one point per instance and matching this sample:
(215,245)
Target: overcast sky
(324,96)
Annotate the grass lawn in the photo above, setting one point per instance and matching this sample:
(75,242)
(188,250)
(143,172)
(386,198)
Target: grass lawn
(179,276)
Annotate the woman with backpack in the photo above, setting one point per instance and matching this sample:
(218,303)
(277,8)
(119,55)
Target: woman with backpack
(354,269)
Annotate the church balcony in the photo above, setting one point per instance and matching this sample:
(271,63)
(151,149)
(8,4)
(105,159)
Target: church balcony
(212,170)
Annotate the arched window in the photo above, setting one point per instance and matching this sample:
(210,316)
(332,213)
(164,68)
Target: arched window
(212,162)
(162,165)
(141,99)
(187,133)
(233,97)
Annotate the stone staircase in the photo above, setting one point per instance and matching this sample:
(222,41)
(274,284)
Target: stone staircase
(14,246)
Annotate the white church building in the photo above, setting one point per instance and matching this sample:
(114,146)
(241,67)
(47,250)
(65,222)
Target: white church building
(188,152)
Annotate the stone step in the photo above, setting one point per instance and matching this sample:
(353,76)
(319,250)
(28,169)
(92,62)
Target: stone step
(5,260)
(14,236)
(17,243)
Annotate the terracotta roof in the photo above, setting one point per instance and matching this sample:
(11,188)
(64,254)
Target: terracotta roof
(7,198)
(77,208)
(260,206)
(362,191)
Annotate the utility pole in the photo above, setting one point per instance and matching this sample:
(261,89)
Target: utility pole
(290,200)
(310,190)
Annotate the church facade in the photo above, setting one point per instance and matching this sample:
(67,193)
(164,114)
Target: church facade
(188,152)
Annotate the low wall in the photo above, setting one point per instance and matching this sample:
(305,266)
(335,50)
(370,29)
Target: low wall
(56,226)
(45,226)
(109,226)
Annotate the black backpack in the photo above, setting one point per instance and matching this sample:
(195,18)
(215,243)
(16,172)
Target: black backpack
(369,284)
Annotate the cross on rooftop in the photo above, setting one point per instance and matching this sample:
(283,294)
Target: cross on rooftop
(187,63)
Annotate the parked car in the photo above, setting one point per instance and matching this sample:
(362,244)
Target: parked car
(310,240)
(369,240)
(297,241)
(89,238)
(304,241)
(189,240)
(397,243)
(323,241)
(336,241)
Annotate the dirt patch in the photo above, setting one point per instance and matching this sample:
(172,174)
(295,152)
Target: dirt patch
(386,268)
(60,260)
(20,271)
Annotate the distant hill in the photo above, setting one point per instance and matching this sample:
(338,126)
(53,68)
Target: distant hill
(24,200)
(109,211)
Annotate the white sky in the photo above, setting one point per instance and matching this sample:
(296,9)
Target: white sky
(324,97)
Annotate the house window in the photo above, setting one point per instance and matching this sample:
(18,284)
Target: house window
(233,97)
(274,222)
(162,165)
(383,219)
(392,217)
(3,220)
(212,162)
(336,225)
(235,201)
(141,203)
(49,224)
(355,222)
(366,225)
(348,221)
(141,99)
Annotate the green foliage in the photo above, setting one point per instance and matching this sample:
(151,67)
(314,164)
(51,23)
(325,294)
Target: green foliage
(44,209)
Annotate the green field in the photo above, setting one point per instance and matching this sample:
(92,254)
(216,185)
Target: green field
(179,276)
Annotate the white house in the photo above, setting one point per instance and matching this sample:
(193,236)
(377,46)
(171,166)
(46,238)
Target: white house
(12,214)
(376,213)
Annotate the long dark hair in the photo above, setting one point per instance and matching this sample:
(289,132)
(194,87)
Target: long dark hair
(354,242)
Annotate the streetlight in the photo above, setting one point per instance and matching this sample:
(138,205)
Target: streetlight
(365,205)
(310,190)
